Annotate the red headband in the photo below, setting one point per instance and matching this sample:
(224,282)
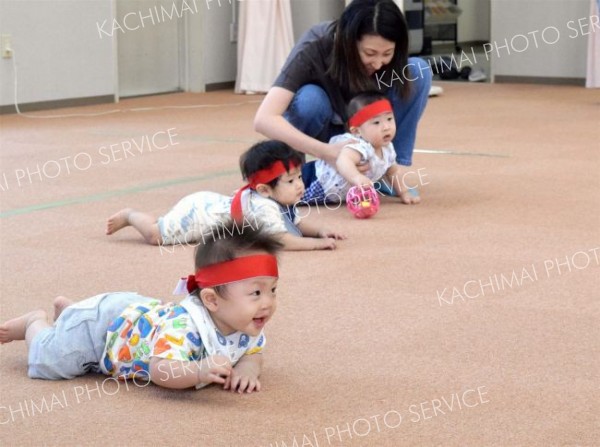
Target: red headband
(263,176)
(370,111)
(231,271)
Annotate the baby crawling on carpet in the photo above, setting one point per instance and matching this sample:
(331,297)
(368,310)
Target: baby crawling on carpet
(215,335)
(273,171)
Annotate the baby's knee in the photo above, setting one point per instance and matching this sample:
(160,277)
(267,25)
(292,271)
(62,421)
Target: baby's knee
(154,239)
(153,235)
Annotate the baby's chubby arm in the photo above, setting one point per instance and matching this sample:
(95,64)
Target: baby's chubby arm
(270,216)
(346,165)
(178,374)
(244,375)
(312,230)
(295,243)
(314,238)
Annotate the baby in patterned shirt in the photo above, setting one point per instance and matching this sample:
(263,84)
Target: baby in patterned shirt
(273,170)
(215,335)
(372,127)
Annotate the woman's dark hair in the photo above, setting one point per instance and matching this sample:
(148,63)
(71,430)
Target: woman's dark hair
(361,100)
(376,18)
(263,154)
(229,242)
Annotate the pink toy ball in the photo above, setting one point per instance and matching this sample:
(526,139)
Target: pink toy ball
(362,202)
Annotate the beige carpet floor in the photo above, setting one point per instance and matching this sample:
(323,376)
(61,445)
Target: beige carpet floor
(469,320)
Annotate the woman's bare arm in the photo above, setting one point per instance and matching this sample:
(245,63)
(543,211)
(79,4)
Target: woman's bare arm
(270,122)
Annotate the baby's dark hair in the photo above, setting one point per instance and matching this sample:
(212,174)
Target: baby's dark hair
(361,100)
(230,240)
(263,154)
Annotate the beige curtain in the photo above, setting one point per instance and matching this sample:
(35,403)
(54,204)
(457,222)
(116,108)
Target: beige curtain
(265,39)
(593,65)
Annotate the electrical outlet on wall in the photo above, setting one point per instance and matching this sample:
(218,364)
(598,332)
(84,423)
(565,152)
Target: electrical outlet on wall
(6,46)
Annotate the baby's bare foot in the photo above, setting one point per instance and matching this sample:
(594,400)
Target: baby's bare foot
(117,221)
(60,304)
(16,328)
(410,197)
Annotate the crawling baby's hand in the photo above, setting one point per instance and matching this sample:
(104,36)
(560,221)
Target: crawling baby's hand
(214,369)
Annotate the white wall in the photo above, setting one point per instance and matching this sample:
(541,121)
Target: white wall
(58,50)
(474,22)
(564,59)
(330,9)
(60,54)
(306,13)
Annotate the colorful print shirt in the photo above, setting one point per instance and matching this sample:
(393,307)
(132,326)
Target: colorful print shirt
(159,330)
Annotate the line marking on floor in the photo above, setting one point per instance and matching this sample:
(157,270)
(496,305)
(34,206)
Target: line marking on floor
(470,154)
(116,193)
(183,180)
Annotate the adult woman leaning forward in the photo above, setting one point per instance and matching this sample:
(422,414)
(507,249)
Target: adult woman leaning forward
(366,49)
